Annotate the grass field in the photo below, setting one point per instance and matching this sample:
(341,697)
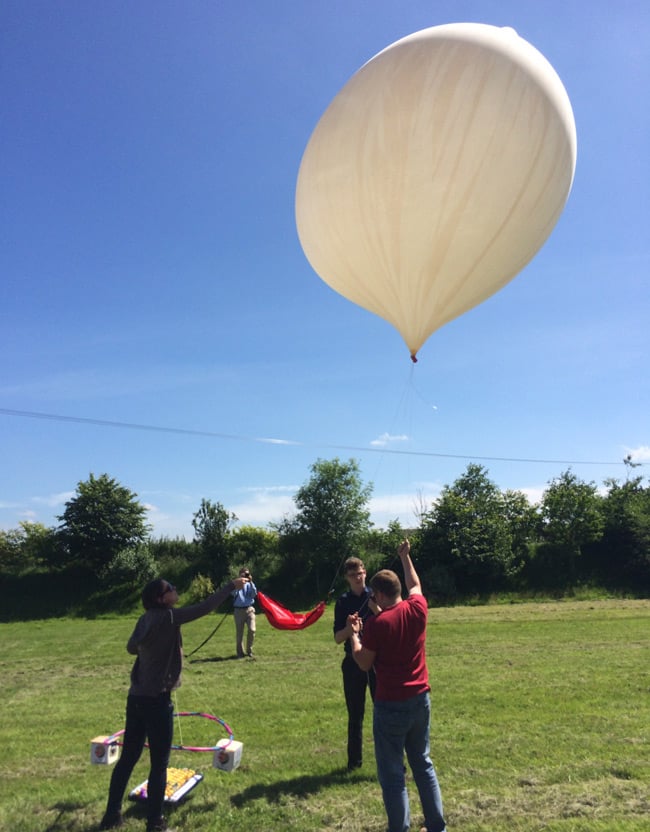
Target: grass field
(541,722)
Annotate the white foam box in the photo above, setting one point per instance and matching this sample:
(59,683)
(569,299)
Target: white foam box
(227,755)
(103,753)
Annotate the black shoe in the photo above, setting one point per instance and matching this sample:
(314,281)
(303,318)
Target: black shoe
(352,766)
(112,820)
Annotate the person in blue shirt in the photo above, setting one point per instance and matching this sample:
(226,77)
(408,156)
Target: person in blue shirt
(243,602)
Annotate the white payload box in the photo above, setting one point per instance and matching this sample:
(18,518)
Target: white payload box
(102,752)
(227,755)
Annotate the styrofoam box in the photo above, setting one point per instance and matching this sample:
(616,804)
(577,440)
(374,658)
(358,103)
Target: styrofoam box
(227,755)
(103,753)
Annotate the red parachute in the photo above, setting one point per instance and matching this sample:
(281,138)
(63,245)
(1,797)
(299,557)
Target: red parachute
(283,619)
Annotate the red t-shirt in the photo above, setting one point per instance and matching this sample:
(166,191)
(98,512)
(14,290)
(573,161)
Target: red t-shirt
(397,637)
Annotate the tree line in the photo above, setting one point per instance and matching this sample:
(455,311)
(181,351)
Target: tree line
(474,540)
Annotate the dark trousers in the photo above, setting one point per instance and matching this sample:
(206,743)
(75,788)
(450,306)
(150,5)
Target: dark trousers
(150,719)
(355,683)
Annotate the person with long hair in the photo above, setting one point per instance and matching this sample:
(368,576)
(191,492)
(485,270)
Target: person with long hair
(157,643)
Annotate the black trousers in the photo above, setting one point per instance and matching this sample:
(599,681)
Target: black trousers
(355,684)
(149,719)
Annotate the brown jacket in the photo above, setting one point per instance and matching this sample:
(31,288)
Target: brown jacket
(157,642)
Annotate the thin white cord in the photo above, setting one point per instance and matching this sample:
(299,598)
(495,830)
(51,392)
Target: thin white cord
(178,720)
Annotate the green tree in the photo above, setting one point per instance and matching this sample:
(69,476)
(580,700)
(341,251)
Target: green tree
(211,529)
(255,548)
(331,520)
(624,553)
(522,520)
(101,519)
(570,518)
(467,541)
(381,544)
(30,546)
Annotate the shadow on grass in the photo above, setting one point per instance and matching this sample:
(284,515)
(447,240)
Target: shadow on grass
(232,658)
(298,786)
(72,816)
(64,808)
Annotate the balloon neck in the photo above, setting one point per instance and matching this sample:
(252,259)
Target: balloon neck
(414,358)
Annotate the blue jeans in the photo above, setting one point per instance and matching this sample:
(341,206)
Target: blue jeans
(400,727)
(151,719)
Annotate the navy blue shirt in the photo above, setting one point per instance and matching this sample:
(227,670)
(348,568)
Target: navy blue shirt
(348,604)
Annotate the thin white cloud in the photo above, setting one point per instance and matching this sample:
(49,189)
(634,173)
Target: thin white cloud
(533,492)
(265,505)
(95,384)
(387,439)
(639,454)
(38,509)
(270,489)
(54,500)
(272,441)
(406,507)
(179,497)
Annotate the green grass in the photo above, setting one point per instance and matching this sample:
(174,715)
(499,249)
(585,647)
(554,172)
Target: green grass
(541,721)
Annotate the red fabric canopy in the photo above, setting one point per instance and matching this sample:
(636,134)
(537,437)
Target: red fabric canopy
(283,619)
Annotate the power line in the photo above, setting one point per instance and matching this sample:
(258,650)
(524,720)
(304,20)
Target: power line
(55,417)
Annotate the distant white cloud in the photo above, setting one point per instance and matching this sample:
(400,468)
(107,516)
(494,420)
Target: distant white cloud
(38,509)
(161,521)
(99,384)
(272,441)
(640,454)
(533,492)
(177,497)
(387,439)
(266,504)
(405,507)
(54,500)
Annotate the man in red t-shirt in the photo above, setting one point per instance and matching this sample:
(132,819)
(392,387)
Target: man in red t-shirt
(394,644)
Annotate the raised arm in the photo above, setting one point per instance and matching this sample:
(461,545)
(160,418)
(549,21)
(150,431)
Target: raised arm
(411,578)
(183,615)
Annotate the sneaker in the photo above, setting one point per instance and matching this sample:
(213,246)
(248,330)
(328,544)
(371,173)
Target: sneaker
(112,820)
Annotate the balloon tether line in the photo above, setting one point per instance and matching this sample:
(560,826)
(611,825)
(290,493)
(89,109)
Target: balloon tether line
(205,641)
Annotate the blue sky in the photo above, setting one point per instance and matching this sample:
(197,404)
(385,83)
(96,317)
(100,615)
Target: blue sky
(151,272)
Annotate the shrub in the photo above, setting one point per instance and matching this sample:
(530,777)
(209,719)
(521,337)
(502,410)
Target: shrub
(199,589)
(135,563)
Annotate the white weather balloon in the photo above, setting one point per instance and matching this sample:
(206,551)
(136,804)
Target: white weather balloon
(436,174)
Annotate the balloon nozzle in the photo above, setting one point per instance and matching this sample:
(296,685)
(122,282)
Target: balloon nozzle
(414,358)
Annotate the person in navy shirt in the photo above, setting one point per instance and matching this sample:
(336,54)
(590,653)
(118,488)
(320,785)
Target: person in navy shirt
(356,601)
(243,602)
